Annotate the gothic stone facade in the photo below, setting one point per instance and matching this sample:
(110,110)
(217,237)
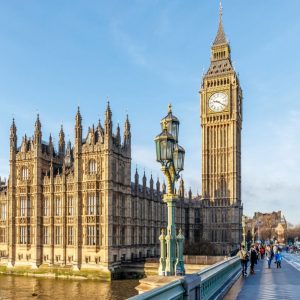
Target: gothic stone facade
(221,122)
(77,206)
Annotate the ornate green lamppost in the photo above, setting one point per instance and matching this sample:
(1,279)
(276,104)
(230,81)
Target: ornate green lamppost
(171,157)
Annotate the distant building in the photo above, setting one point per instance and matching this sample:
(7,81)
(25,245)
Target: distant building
(267,226)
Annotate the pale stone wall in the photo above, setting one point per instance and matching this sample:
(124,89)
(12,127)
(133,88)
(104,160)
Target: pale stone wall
(77,206)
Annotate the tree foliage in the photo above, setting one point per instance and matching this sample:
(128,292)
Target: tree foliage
(293,232)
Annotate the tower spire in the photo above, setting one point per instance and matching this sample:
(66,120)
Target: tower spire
(221,37)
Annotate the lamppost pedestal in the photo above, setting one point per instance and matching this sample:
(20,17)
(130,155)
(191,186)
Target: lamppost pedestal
(170,200)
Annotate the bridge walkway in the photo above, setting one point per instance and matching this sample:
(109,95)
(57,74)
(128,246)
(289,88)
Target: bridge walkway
(268,284)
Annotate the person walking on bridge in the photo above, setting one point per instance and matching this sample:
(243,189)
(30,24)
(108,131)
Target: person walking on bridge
(278,258)
(244,257)
(270,255)
(262,252)
(253,258)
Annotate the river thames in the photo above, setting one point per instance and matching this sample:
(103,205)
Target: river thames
(21,287)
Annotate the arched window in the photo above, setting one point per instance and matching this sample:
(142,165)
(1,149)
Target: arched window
(92,166)
(24,173)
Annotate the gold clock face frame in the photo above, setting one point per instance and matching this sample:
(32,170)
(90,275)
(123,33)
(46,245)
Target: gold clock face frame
(218,102)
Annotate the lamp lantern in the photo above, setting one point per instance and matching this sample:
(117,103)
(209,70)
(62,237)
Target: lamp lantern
(172,123)
(164,146)
(178,158)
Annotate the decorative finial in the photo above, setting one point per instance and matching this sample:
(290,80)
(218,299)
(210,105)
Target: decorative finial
(221,10)
(170,108)
(164,125)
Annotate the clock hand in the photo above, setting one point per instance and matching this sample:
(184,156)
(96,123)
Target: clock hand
(219,102)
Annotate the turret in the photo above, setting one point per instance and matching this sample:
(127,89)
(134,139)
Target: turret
(190,194)
(164,188)
(144,183)
(108,121)
(38,131)
(118,136)
(68,156)
(181,188)
(78,128)
(158,186)
(100,131)
(151,184)
(127,133)
(51,148)
(136,180)
(61,142)
(13,136)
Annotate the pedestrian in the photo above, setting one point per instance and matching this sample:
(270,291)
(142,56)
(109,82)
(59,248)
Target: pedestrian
(278,258)
(244,257)
(262,252)
(269,255)
(257,253)
(253,258)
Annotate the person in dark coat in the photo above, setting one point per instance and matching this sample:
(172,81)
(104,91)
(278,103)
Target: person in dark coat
(253,258)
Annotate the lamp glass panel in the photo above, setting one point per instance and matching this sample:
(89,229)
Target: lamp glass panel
(180,161)
(158,154)
(163,150)
(175,129)
(175,160)
(170,148)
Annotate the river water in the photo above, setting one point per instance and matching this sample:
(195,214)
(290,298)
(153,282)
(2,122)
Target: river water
(22,287)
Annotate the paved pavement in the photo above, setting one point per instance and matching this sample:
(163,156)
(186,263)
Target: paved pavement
(268,284)
(293,260)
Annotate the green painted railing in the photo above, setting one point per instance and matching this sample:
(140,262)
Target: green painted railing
(170,291)
(210,283)
(216,279)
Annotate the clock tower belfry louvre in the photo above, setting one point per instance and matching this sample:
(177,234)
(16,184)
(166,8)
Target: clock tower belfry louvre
(221,122)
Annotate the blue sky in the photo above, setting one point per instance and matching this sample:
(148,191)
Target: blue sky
(143,54)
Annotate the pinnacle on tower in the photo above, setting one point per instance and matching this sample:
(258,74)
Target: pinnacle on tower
(51,145)
(127,126)
(78,117)
(108,122)
(99,127)
(118,135)
(181,188)
(61,141)
(144,179)
(13,135)
(127,133)
(13,128)
(50,140)
(78,128)
(221,37)
(136,179)
(37,131)
(158,186)
(164,187)
(38,122)
(151,182)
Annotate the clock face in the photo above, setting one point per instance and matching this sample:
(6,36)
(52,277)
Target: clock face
(218,102)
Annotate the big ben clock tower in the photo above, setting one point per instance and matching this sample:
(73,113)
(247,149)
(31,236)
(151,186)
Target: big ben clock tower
(221,122)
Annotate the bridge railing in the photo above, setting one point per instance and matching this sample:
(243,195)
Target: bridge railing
(210,283)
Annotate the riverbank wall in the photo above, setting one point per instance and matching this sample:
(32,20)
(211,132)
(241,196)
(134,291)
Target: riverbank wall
(125,270)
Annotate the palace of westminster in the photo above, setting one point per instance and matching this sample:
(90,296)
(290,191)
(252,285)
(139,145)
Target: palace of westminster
(76,205)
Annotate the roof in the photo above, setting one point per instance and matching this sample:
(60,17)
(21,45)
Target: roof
(221,37)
